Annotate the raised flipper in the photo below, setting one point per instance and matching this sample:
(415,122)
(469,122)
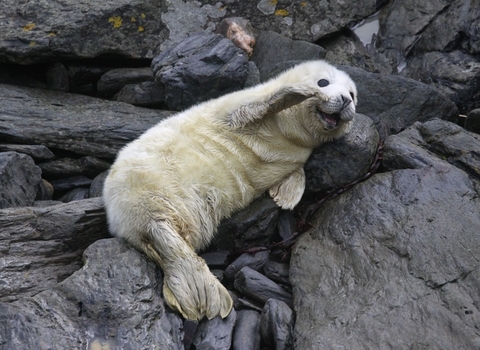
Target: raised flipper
(285,97)
(289,191)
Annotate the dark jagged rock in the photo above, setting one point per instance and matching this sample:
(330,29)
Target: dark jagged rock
(472,122)
(114,80)
(277,324)
(201,67)
(19,179)
(258,287)
(37,152)
(253,260)
(146,94)
(246,334)
(48,242)
(215,333)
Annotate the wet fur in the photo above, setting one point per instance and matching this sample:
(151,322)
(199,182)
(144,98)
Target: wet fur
(168,190)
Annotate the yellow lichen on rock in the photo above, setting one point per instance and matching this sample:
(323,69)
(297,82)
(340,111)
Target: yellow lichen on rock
(140,29)
(116,21)
(282,13)
(28,27)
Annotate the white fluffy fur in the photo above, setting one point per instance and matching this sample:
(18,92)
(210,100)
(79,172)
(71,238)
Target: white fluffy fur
(169,189)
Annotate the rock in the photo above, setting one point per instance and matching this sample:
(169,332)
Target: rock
(114,80)
(267,56)
(80,124)
(217,259)
(45,191)
(393,254)
(258,287)
(37,152)
(435,43)
(146,94)
(246,334)
(69,183)
(277,272)
(19,177)
(75,195)
(201,67)
(96,188)
(254,261)
(83,77)
(41,246)
(239,31)
(113,301)
(472,123)
(252,226)
(455,74)
(398,102)
(338,163)
(57,77)
(73,30)
(215,333)
(277,324)
(88,166)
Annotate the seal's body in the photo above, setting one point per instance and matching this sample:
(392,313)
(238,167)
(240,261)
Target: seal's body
(168,190)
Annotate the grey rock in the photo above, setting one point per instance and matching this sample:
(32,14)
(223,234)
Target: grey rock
(146,94)
(258,287)
(277,324)
(278,272)
(80,124)
(41,246)
(19,179)
(267,56)
(45,191)
(397,102)
(217,259)
(456,74)
(252,226)
(246,334)
(389,262)
(57,77)
(113,301)
(114,80)
(201,67)
(75,195)
(69,183)
(253,260)
(253,77)
(36,32)
(336,164)
(37,152)
(472,122)
(88,166)
(96,188)
(215,333)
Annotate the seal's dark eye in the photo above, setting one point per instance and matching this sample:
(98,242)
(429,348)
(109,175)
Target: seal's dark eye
(323,82)
(352,95)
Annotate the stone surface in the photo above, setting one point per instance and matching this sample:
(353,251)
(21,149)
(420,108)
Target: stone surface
(199,68)
(40,247)
(472,122)
(246,334)
(40,31)
(146,94)
(258,287)
(392,252)
(37,152)
(336,164)
(268,57)
(113,301)
(277,324)
(253,260)
(95,127)
(19,179)
(114,80)
(215,333)
(88,166)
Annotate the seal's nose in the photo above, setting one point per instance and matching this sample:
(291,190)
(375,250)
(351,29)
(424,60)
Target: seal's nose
(345,102)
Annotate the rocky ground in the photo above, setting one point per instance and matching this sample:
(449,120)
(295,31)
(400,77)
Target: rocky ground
(388,263)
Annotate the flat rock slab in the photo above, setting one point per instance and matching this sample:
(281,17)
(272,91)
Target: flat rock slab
(76,123)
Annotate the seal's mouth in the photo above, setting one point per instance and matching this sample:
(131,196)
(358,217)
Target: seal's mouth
(331,120)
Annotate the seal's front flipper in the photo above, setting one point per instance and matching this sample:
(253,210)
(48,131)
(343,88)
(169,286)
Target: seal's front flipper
(289,191)
(281,99)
